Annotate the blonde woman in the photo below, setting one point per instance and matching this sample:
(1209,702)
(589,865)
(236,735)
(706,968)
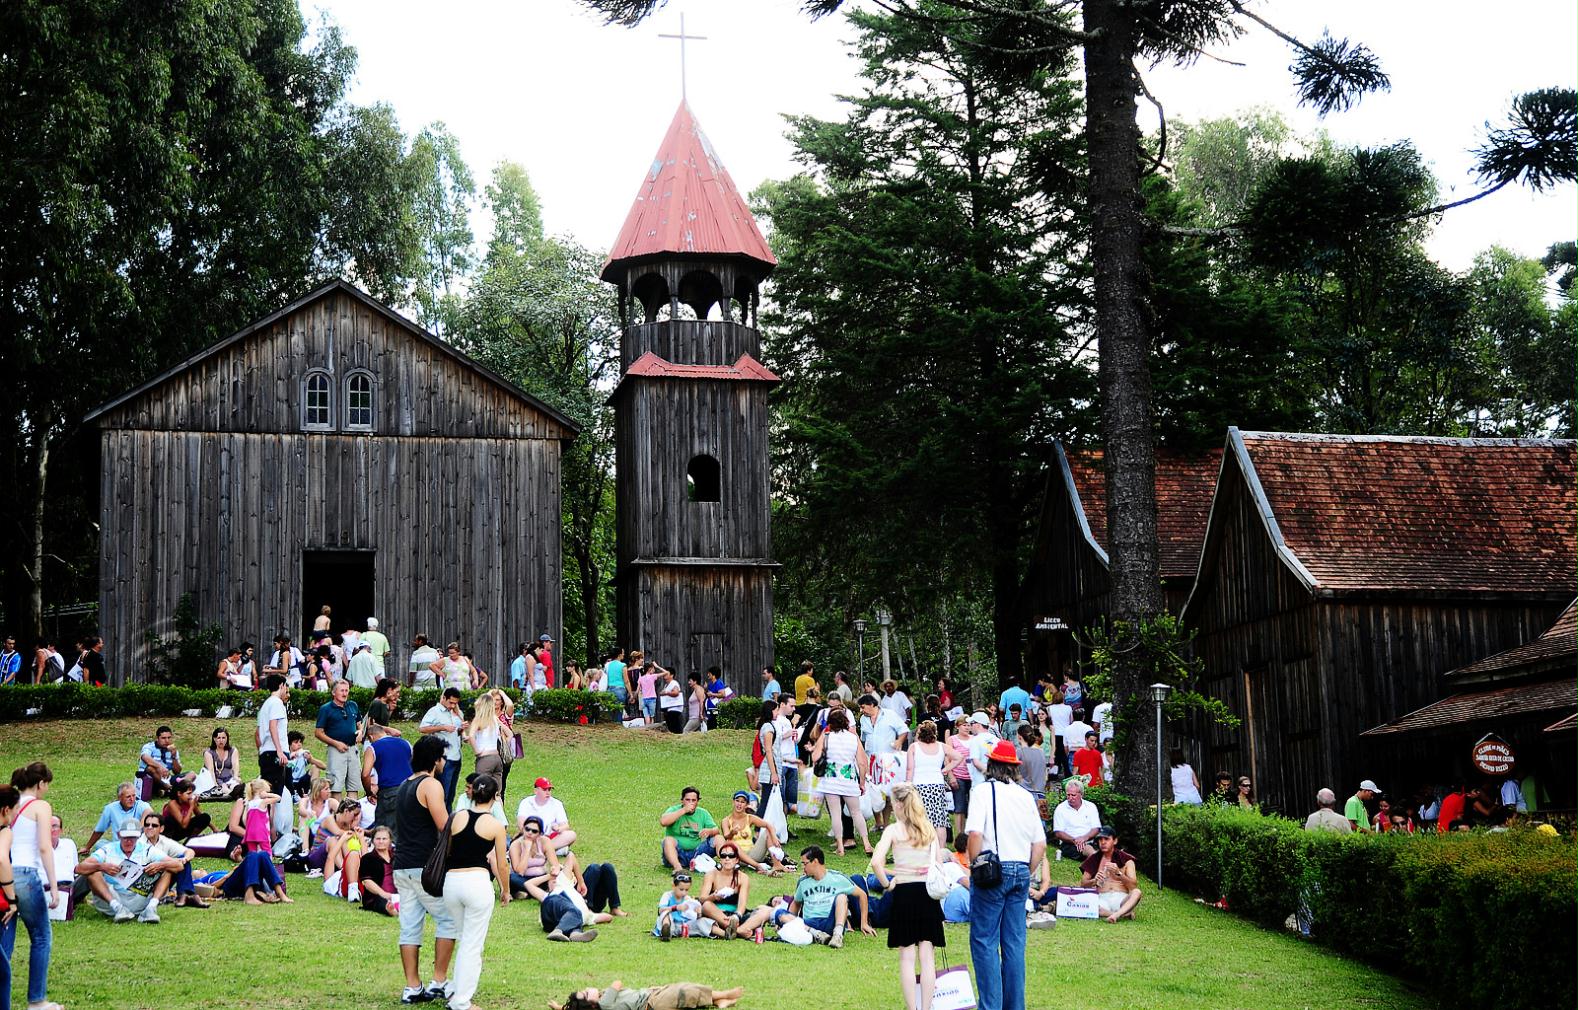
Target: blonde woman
(484,733)
(504,710)
(915,921)
(314,806)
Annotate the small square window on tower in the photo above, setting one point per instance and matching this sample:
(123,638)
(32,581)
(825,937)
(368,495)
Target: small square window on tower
(703,479)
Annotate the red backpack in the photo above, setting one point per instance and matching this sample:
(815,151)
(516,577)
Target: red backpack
(757,754)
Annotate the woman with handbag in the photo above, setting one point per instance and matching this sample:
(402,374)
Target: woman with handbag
(485,734)
(510,746)
(915,919)
(845,776)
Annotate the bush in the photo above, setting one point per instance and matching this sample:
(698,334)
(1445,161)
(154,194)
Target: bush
(1459,912)
(138,701)
(739,713)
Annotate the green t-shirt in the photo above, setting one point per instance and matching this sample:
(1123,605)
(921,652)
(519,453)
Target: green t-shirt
(687,829)
(623,999)
(816,897)
(1356,812)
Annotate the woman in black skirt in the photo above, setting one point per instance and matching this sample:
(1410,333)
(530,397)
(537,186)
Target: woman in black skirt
(915,920)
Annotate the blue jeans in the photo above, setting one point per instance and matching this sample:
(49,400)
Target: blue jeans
(32,907)
(449,777)
(997,939)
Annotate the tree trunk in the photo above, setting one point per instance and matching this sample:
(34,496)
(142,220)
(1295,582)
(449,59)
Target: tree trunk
(1117,233)
(35,598)
(590,606)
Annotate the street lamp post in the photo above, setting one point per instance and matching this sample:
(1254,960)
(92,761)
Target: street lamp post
(860,647)
(884,622)
(1159,693)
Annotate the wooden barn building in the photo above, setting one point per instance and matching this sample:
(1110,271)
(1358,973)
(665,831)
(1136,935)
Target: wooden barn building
(1342,576)
(1065,588)
(1527,696)
(332,453)
(694,583)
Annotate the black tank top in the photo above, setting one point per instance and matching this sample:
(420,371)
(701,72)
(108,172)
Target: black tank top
(414,832)
(468,849)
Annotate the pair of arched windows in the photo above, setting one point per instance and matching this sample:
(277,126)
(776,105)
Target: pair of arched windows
(317,401)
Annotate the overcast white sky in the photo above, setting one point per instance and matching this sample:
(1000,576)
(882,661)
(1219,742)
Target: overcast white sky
(583,106)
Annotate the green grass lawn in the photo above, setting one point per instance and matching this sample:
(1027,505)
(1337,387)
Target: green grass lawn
(324,953)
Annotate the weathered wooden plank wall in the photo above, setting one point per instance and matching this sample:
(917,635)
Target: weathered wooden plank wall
(209,485)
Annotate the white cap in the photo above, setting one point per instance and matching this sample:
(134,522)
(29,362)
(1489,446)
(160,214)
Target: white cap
(372,623)
(980,719)
(1370,785)
(130,832)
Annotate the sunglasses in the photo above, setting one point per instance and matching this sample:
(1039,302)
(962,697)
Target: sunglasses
(153,824)
(532,831)
(681,878)
(728,855)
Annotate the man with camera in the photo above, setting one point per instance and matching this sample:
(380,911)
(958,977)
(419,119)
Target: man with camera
(1006,838)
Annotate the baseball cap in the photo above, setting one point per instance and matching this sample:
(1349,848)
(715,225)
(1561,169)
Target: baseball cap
(741,794)
(372,623)
(543,783)
(1106,831)
(980,719)
(1370,785)
(130,832)
(545,637)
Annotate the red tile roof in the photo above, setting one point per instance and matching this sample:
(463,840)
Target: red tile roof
(1379,513)
(1184,486)
(747,369)
(688,204)
(1482,706)
(1555,649)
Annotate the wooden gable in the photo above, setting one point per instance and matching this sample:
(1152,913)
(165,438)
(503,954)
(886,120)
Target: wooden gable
(254,381)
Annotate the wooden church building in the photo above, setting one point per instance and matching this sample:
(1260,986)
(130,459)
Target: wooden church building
(694,581)
(333,453)
(1342,576)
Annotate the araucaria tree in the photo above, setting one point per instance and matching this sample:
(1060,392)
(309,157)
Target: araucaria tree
(925,319)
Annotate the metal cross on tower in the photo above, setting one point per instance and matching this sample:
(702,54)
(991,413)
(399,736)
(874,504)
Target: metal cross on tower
(682,37)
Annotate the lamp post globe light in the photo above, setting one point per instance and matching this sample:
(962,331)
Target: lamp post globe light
(1159,693)
(860,647)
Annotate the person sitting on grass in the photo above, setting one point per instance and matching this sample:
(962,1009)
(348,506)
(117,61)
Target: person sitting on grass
(678,913)
(183,816)
(725,890)
(375,874)
(533,864)
(1112,873)
(550,811)
(754,838)
(598,884)
(331,837)
(468,800)
(159,762)
(124,811)
(175,860)
(688,830)
(1075,822)
(822,897)
(674,996)
(125,879)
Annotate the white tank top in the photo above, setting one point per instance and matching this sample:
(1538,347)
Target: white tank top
(24,837)
(928,767)
(1183,785)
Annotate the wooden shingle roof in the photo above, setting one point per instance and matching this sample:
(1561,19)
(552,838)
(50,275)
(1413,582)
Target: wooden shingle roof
(1184,485)
(1400,514)
(1484,706)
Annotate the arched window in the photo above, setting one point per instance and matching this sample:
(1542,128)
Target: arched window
(703,480)
(359,401)
(317,401)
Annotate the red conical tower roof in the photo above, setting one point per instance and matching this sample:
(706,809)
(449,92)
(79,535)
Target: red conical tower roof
(688,205)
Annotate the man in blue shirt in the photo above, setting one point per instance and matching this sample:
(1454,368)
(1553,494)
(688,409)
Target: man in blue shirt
(338,720)
(125,810)
(822,898)
(1015,695)
(10,662)
(615,671)
(770,688)
(519,676)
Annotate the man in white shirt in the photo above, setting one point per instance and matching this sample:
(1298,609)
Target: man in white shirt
(115,875)
(1002,819)
(1074,735)
(896,701)
(982,740)
(378,642)
(364,670)
(1075,822)
(1102,717)
(671,702)
(173,859)
(272,730)
(445,722)
(881,729)
(786,747)
(542,805)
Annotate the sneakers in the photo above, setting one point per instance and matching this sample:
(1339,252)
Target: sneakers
(149,913)
(557,936)
(837,939)
(440,990)
(582,935)
(414,994)
(817,936)
(122,913)
(314,874)
(354,895)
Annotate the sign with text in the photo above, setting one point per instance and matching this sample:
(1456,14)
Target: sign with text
(1077,903)
(1051,624)
(1493,755)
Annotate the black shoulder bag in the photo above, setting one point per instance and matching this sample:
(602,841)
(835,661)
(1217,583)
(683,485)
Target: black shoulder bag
(987,870)
(437,865)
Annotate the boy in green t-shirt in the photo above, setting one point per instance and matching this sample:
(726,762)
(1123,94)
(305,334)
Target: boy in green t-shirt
(674,996)
(688,830)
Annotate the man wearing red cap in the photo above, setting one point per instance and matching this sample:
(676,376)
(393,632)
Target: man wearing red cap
(1002,819)
(555,822)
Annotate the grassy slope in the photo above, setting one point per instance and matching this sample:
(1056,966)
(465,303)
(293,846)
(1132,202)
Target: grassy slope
(614,783)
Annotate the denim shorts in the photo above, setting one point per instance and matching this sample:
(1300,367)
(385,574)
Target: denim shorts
(415,904)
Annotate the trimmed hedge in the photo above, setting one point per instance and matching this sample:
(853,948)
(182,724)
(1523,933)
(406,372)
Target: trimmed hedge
(739,713)
(1462,913)
(151,701)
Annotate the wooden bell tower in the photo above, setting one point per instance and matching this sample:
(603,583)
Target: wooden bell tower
(695,569)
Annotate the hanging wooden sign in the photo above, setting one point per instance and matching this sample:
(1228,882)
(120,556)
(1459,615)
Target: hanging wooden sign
(1493,755)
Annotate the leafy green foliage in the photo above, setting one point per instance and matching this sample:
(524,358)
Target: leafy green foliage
(1334,73)
(582,707)
(1539,147)
(442,189)
(1164,650)
(184,658)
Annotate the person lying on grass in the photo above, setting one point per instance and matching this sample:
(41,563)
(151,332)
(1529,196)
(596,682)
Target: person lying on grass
(1111,871)
(674,996)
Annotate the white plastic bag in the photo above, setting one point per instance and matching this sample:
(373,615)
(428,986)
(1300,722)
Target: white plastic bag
(796,932)
(774,814)
(204,782)
(872,801)
(284,815)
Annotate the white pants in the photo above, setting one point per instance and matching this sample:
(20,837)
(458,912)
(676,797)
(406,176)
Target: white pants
(469,898)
